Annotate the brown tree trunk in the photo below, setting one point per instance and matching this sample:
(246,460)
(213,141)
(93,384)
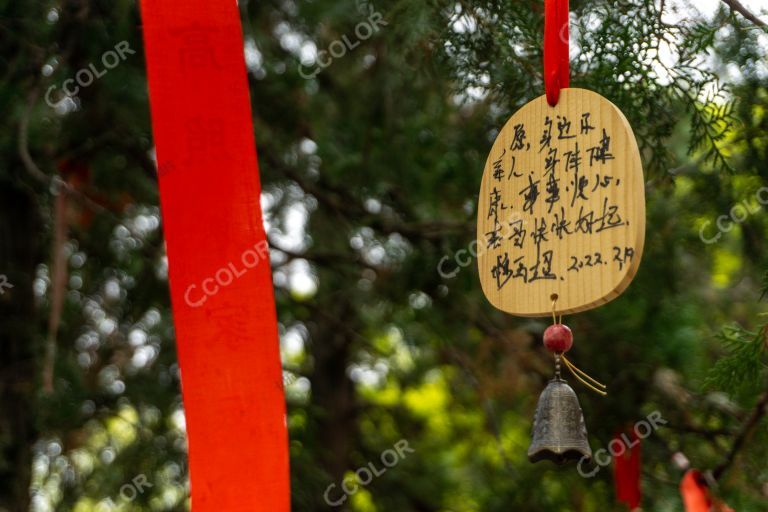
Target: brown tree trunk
(333,392)
(19,234)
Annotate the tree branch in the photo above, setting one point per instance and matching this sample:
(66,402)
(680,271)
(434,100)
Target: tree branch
(760,410)
(704,432)
(347,206)
(738,7)
(328,259)
(52,182)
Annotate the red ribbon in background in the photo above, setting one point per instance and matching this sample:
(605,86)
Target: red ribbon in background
(626,470)
(557,68)
(220,276)
(696,494)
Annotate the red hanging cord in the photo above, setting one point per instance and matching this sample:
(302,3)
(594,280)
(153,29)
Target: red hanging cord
(557,69)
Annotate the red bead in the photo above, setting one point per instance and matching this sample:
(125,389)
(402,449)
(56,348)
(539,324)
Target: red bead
(558,338)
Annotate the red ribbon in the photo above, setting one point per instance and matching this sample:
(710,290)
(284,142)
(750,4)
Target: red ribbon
(220,276)
(626,470)
(557,68)
(696,494)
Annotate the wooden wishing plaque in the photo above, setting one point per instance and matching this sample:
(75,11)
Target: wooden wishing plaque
(561,213)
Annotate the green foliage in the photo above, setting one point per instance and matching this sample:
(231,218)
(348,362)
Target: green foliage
(745,364)
(765,286)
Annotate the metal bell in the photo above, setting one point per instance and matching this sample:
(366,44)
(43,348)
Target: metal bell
(559,432)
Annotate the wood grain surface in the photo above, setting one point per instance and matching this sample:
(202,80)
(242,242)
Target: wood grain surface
(561,212)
